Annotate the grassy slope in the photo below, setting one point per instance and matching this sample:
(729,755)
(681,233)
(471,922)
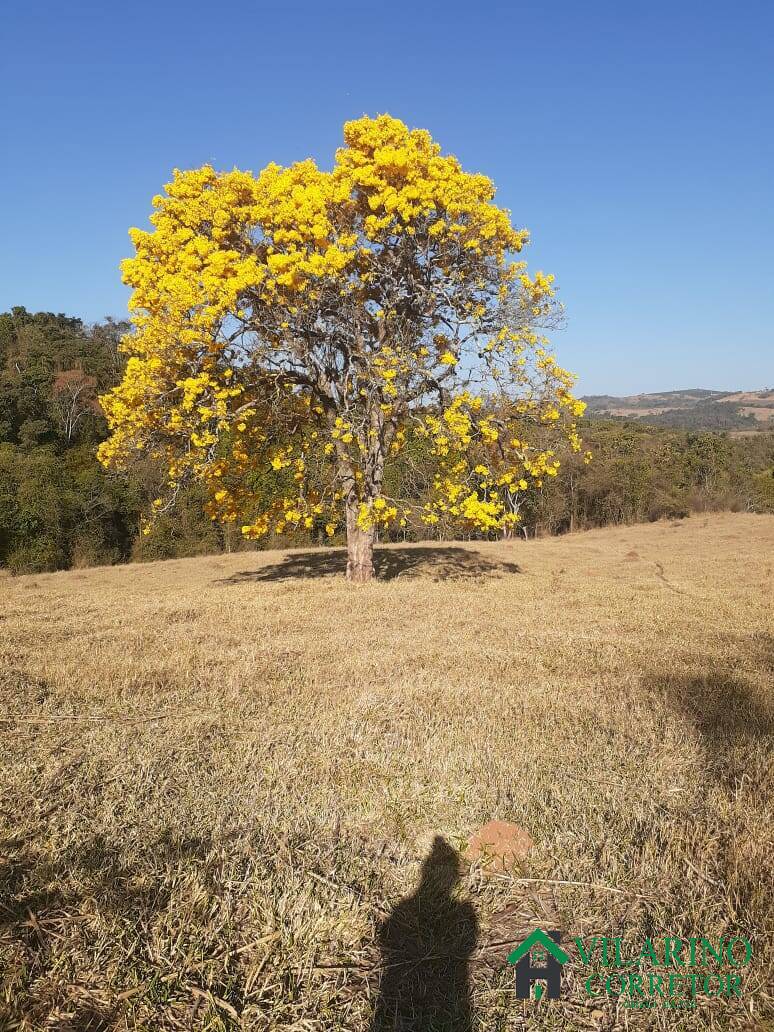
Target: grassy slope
(218,775)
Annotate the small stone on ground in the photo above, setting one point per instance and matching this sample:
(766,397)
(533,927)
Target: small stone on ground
(499,846)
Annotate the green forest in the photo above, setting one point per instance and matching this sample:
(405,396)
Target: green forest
(60,509)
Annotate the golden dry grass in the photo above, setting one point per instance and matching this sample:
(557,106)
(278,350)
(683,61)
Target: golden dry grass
(219,775)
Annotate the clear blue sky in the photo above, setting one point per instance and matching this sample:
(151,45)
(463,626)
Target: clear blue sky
(635,141)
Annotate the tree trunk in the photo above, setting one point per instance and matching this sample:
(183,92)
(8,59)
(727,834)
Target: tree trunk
(360,549)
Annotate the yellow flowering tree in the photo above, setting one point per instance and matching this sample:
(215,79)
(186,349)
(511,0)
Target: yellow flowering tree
(298,327)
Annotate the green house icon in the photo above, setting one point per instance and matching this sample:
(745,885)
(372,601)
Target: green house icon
(538,938)
(548,968)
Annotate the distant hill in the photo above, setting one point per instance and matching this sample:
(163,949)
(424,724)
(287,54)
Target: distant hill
(695,409)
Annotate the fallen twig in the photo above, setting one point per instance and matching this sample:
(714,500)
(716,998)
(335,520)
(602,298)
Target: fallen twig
(577,884)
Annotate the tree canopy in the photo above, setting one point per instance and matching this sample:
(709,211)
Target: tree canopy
(59,508)
(313,326)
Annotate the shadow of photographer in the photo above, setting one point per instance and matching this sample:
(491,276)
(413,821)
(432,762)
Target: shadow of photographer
(425,944)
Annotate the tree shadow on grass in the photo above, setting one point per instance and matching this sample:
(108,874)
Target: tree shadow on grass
(425,944)
(437,563)
(93,868)
(730,714)
(723,706)
(89,887)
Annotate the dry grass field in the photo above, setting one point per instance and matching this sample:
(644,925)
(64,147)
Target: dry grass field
(218,777)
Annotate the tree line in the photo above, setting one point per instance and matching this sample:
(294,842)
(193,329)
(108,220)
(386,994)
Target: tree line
(59,508)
